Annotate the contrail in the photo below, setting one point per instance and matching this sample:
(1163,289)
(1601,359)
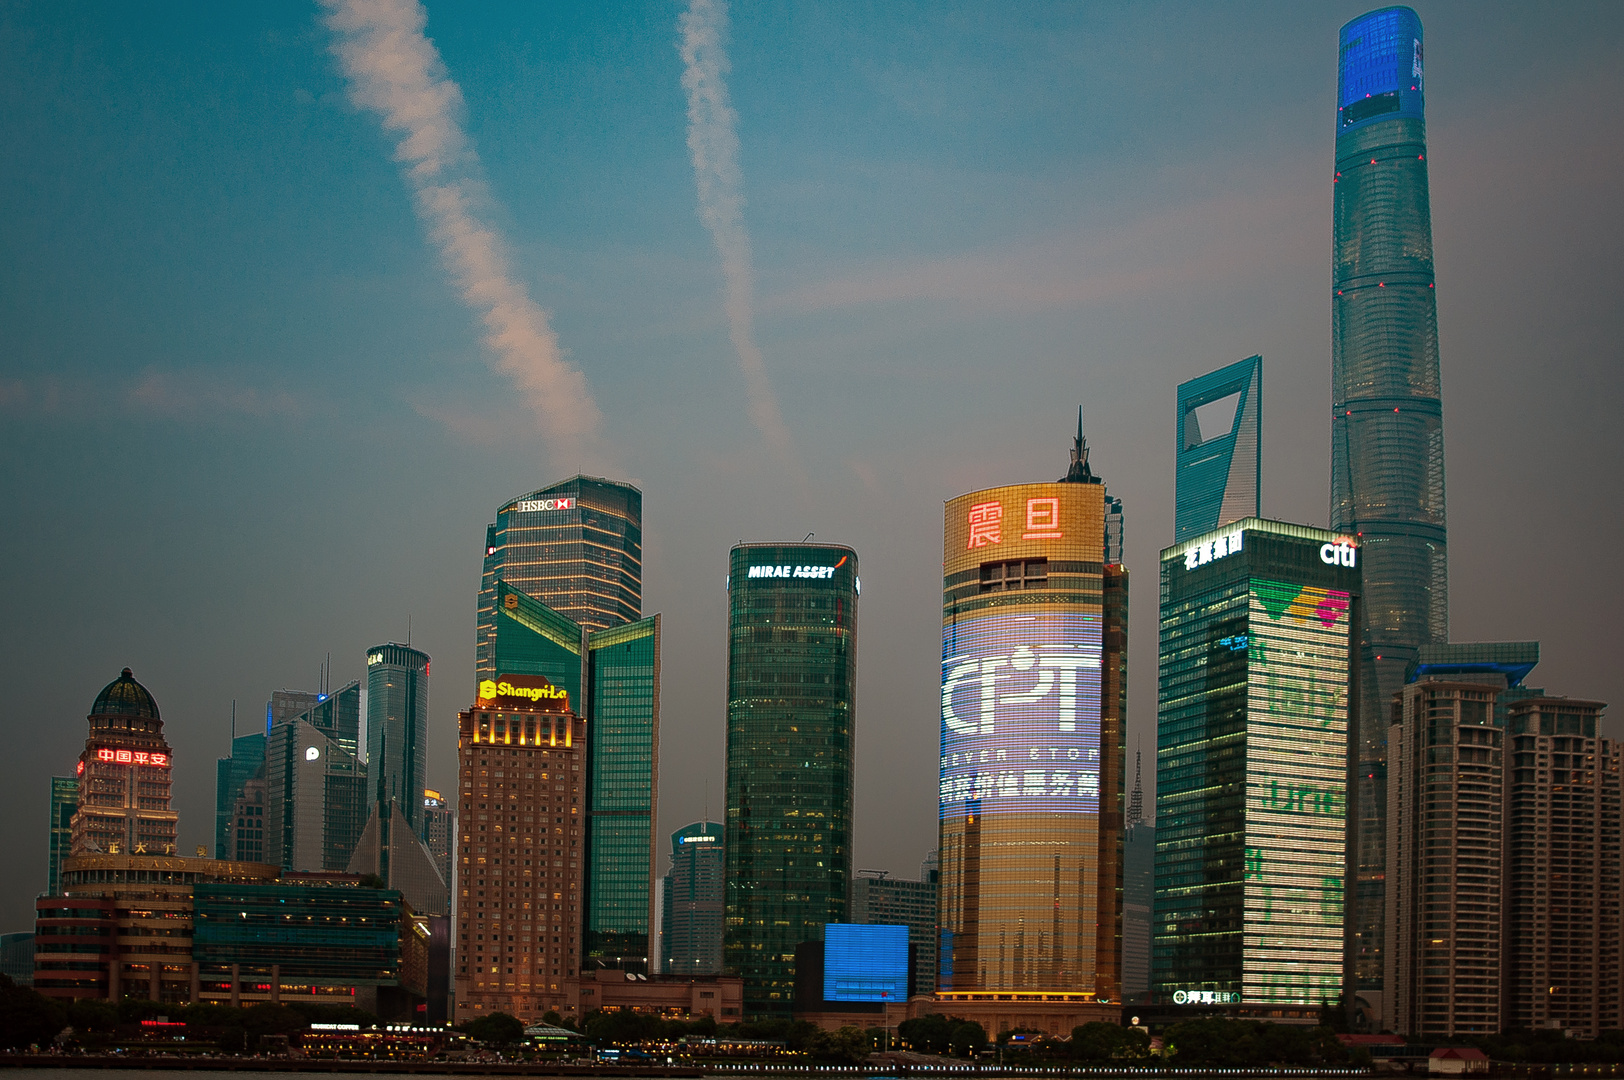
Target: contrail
(395,70)
(713,142)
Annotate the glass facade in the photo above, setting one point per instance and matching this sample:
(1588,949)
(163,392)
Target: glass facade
(231,776)
(329,934)
(1387,448)
(1220,473)
(1034,670)
(623,750)
(691,934)
(316,799)
(577,545)
(1255,667)
(621,667)
(64,802)
(791,704)
(398,727)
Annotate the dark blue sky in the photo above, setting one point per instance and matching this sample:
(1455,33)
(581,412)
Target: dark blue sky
(245,419)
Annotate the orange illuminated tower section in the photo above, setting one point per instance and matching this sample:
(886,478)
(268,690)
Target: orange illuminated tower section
(1034,659)
(124,776)
(521,758)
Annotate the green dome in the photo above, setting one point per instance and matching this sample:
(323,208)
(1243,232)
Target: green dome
(125,697)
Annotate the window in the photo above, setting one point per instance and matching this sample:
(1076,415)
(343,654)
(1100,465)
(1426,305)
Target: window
(1017,574)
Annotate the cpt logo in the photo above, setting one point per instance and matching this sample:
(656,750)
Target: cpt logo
(1340,553)
(1055,671)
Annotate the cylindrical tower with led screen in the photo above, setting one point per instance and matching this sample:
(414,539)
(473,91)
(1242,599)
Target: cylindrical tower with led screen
(791,731)
(1034,662)
(1387,442)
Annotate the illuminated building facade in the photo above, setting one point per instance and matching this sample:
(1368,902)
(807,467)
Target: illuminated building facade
(1257,653)
(880,899)
(1387,446)
(576,545)
(231,777)
(398,727)
(122,926)
(64,804)
(124,776)
(691,931)
(1219,475)
(791,727)
(316,791)
(522,769)
(245,833)
(1445,813)
(1564,789)
(612,677)
(1034,667)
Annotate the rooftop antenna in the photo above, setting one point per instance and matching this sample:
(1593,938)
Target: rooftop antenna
(233,719)
(408,631)
(808,537)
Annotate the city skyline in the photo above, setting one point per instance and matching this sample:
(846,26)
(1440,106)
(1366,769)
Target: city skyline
(936,207)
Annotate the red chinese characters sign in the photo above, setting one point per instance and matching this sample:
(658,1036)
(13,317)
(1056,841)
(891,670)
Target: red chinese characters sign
(132,757)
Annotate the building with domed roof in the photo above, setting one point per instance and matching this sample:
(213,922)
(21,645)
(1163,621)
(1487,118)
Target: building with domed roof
(124,776)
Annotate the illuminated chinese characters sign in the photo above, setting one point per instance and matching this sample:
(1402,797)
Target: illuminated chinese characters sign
(1206,997)
(986,522)
(532,506)
(1021,713)
(1221,547)
(132,757)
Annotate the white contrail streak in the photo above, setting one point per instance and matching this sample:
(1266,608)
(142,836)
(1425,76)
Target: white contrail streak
(395,70)
(713,142)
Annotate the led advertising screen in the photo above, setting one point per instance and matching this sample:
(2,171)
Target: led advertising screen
(1021,713)
(865,963)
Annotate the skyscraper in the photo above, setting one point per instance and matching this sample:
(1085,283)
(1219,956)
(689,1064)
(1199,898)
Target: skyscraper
(611,677)
(1257,657)
(576,545)
(520,763)
(691,938)
(791,727)
(1564,790)
(1387,448)
(1445,844)
(231,777)
(124,776)
(439,826)
(1138,891)
(398,727)
(64,803)
(316,787)
(1220,472)
(1034,623)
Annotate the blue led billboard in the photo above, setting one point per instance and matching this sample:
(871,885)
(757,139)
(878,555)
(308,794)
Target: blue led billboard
(1021,713)
(1381,73)
(865,963)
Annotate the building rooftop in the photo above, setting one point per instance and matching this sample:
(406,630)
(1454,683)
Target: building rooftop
(125,697)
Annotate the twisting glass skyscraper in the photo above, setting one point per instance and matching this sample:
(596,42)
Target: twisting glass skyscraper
(1387,441)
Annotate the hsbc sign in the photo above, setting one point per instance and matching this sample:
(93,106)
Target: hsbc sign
(531,506)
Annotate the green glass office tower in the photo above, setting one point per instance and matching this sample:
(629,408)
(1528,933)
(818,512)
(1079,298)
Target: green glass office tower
(620,667)
(316,795)
(1257,658)
(231,776)
(791,728)
(398,727)
(1387,445)
(64,803)
(577,546)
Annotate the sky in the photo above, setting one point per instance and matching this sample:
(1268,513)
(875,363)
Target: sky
(266,373)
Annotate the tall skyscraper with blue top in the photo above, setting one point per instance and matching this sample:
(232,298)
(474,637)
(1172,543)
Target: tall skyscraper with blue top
(1220,469)
(1387,447)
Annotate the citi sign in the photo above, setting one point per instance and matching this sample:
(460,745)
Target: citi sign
(1341,553)
(1053,672)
